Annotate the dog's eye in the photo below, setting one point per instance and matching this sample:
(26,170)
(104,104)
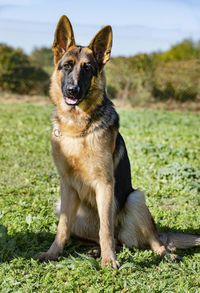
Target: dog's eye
(87,66)
(68,65)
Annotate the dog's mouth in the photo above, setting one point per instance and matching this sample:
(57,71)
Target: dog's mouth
(71,101)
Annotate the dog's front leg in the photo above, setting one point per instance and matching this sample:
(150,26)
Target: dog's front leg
(105,205)
(69,206)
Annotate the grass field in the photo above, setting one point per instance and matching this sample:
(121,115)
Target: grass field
(164,150)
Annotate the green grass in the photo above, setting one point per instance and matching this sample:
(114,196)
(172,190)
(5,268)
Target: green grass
(164,152)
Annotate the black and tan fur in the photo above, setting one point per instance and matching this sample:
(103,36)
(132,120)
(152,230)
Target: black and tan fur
(98,202)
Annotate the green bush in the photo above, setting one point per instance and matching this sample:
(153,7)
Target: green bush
(145,78)
(42,57)
(177,80)
(186,50)
(182,51)
(130,79)
(18,75)
(179,94)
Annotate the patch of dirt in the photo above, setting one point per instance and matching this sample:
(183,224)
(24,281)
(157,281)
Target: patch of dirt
(13,98)
(169,105)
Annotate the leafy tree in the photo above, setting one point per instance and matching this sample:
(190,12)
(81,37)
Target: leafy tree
(198,50)
(185,50)
(42,57)
(18,75)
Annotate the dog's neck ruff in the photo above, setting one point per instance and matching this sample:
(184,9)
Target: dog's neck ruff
(102,118)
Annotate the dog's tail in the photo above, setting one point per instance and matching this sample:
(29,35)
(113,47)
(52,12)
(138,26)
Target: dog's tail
(173,240)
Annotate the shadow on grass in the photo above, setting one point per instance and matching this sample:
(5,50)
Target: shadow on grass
(28,244)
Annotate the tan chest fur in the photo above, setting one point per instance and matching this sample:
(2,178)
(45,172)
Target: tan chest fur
(84,161)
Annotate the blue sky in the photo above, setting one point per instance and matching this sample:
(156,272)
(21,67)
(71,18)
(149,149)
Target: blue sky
(138,26)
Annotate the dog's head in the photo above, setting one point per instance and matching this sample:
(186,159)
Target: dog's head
(77,66)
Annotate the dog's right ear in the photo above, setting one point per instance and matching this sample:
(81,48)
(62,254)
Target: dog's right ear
(64,38)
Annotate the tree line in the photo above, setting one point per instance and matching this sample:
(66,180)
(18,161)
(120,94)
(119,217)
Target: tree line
(172,74)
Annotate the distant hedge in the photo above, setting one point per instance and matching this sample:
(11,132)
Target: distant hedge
(185,50)
(139,80)
(18,75)
(143,78)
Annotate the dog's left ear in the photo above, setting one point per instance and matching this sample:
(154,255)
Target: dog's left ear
(101,45)
(64,38)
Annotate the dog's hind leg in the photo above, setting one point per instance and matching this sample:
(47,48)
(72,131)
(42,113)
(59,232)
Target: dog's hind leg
(137,227)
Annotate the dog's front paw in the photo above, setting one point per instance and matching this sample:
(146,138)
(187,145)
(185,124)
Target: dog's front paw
(45,256)
(112,259)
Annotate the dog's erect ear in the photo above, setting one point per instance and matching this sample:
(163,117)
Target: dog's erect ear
(64,38)
(101,45)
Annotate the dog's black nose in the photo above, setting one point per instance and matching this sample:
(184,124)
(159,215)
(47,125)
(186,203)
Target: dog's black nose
(73,90)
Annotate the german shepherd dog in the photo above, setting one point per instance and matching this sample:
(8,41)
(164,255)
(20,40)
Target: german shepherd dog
(98,202)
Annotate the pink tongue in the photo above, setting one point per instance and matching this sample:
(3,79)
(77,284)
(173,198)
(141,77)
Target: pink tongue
(70,101)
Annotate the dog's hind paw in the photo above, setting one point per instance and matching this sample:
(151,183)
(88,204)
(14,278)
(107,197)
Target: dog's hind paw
(172,257)
(45,256)
(94,252)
